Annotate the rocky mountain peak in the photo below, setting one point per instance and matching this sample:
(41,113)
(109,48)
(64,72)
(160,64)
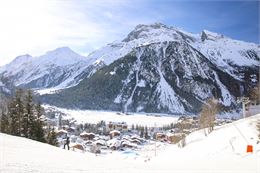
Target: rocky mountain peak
(208,35)
(62,56)
(153,30)
(59,52)
(154,26)
(22,58)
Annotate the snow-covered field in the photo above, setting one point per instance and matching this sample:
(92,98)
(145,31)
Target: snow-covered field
(223,150)
(90,116)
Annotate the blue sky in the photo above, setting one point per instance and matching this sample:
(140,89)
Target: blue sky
(84,25)
(236,19)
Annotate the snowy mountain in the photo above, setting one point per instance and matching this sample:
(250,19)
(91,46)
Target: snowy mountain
(229,55)
(140,36)
(213,153)
(164,69)
(59,68)
(216,47)
(156,68)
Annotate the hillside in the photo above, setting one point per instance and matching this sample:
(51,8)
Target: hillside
(224,150)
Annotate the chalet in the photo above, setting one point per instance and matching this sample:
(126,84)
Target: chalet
(136,139)
(61,133)
(117,126)
(160,137)
(127,144)
(88,143)
(87,136)
(100,142)
(114,133)
(114,144)
(126,137)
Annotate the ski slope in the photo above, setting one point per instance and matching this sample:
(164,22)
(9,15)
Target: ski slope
(223,150)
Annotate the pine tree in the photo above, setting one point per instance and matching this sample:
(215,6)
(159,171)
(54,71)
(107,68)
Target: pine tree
(133,127)
(15,112)
(23,118)
(146,136)
(59,121)
(14,119)
(29,118)
(52,138)
(4,124)
(4,121)
(142,132)
(136,127)
(39,131)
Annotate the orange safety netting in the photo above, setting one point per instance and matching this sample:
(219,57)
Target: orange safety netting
(249,149)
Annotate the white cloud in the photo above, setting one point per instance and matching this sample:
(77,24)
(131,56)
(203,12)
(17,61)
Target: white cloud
(35,27)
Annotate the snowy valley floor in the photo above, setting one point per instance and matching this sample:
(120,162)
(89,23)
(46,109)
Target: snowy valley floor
(224,150)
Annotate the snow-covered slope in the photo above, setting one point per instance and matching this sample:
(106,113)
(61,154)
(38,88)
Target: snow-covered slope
(228,54)
(216,47)
(59,68)
(224,150)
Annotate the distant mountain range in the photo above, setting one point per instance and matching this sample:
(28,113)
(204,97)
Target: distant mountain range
(156,68)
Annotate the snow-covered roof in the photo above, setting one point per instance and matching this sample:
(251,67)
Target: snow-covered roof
(62,131)
(114,131)
(87,134)
(114,142)
(102,142)
(129,144)
(126,137)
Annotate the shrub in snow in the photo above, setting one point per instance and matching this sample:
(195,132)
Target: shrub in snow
(208,115)
(254,95)
(182,143)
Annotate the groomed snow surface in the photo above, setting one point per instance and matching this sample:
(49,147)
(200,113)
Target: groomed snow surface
(223,150)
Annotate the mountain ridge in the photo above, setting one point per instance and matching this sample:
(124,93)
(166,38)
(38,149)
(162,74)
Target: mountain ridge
(183,70)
